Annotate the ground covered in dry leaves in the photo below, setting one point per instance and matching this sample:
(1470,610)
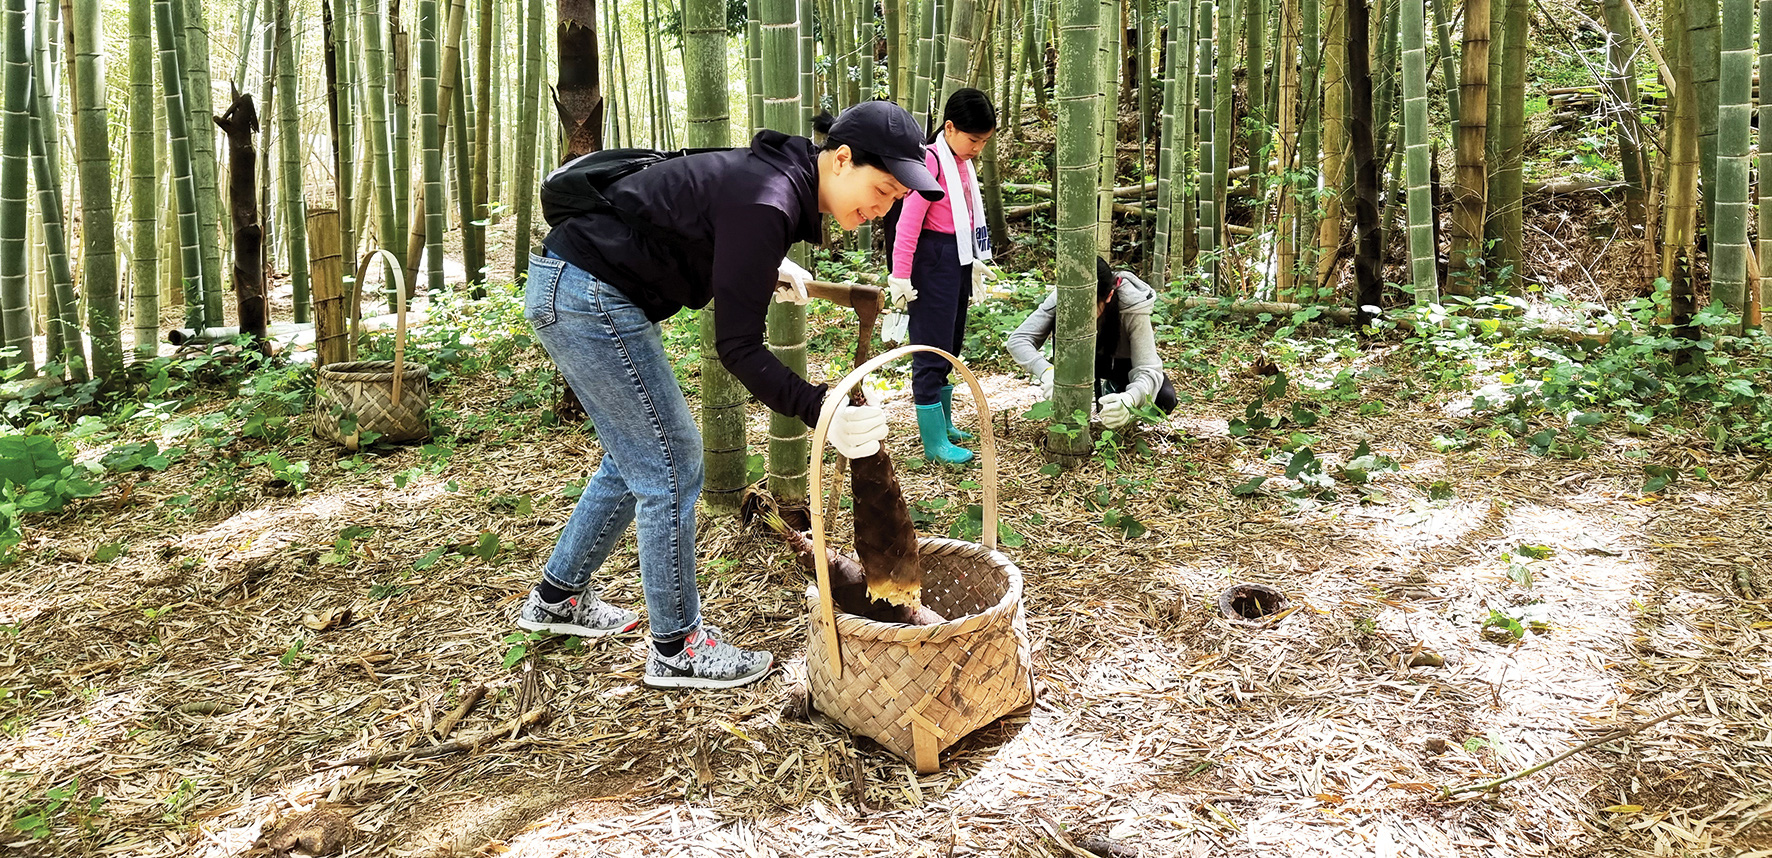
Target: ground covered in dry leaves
(192,696)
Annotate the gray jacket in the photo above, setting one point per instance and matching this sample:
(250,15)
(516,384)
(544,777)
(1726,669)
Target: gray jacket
(1138,342)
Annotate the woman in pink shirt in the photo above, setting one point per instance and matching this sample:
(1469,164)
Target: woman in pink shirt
(938,258)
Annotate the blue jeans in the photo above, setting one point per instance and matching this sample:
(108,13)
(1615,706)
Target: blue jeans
(614,359)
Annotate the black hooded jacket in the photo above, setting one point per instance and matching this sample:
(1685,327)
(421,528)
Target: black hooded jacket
(724,221)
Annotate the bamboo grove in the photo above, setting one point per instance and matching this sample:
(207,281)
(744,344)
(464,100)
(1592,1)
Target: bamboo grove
(1264,149)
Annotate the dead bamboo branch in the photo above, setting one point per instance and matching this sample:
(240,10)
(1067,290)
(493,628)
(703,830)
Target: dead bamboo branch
(1448,792)
(527,719)
(1667,75)
(461,710)
(1046,190)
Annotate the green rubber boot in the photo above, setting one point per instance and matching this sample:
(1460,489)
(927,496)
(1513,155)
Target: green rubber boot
(933,426)
(947,413)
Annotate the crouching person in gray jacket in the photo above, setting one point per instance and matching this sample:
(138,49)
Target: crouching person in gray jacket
(1128,372)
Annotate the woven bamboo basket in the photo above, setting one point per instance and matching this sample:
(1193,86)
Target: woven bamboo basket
(919,689)
(382,396)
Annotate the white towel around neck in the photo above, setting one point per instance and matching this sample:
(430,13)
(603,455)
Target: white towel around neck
(968,209)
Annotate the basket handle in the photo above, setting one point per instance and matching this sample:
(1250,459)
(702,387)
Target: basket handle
(839,396)
(400,314)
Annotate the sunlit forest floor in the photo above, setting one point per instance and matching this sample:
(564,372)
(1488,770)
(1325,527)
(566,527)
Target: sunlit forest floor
(188,652)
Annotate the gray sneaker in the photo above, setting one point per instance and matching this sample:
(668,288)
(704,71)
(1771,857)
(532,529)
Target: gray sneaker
(706,662)
(582,615)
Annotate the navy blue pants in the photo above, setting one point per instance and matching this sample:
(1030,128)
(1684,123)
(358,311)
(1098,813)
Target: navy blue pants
(938,316)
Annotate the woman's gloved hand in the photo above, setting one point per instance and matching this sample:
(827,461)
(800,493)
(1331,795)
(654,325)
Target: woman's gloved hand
(791,282)
(1116,409)
(981,274)
(900,292)
(857,430)
(1046,383)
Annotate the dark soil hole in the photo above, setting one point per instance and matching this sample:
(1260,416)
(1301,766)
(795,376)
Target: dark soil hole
(1251,602)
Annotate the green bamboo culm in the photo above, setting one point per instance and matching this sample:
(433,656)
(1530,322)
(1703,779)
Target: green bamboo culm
(460,135)
(892,13)
(789,439)
(400,131)
(1448,62)
(523,188)
(344,150)
(247,22)
(1385,81)
(867,35)
(839,33)
(1224,120)
(1680,210)
(194,55)
(1765,186)
(144,185)
(430,135)
(485,91)
(15,145)
(65,342)
(1310,137)
(1507,203)
(753,47)
(1184,182)
(1334,139)
(1287,235)
(184,185)
(1471,188)
(989,173)
(98,246)
(1621,86)
(1735,106)
(1107,73)
(927,21)
(725,456)
(1255,62)
(1166,148)
(959,50)
(376,130)
(1423,264)
(1208,194)
(1076,101)
(1702,24)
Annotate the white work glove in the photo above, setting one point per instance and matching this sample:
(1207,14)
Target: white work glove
(1046,383)
(900,292)
(981,273)
(857,430)
(1116,409)
(895,328)
(791,282)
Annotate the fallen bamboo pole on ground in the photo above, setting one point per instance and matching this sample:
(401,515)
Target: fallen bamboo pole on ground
(1344,315)
(1615,735)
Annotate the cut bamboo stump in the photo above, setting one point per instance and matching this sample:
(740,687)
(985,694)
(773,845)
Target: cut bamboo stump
(326,274)
(919,689)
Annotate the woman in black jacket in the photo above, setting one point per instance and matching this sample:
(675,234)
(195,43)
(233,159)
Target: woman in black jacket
(704,227)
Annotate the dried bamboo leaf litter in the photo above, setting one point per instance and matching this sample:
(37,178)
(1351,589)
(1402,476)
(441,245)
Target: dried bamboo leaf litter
(169,681)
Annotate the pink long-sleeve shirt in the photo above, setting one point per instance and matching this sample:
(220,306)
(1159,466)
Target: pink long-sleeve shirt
(919,214)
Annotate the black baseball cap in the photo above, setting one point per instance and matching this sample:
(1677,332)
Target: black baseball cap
(889,131)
